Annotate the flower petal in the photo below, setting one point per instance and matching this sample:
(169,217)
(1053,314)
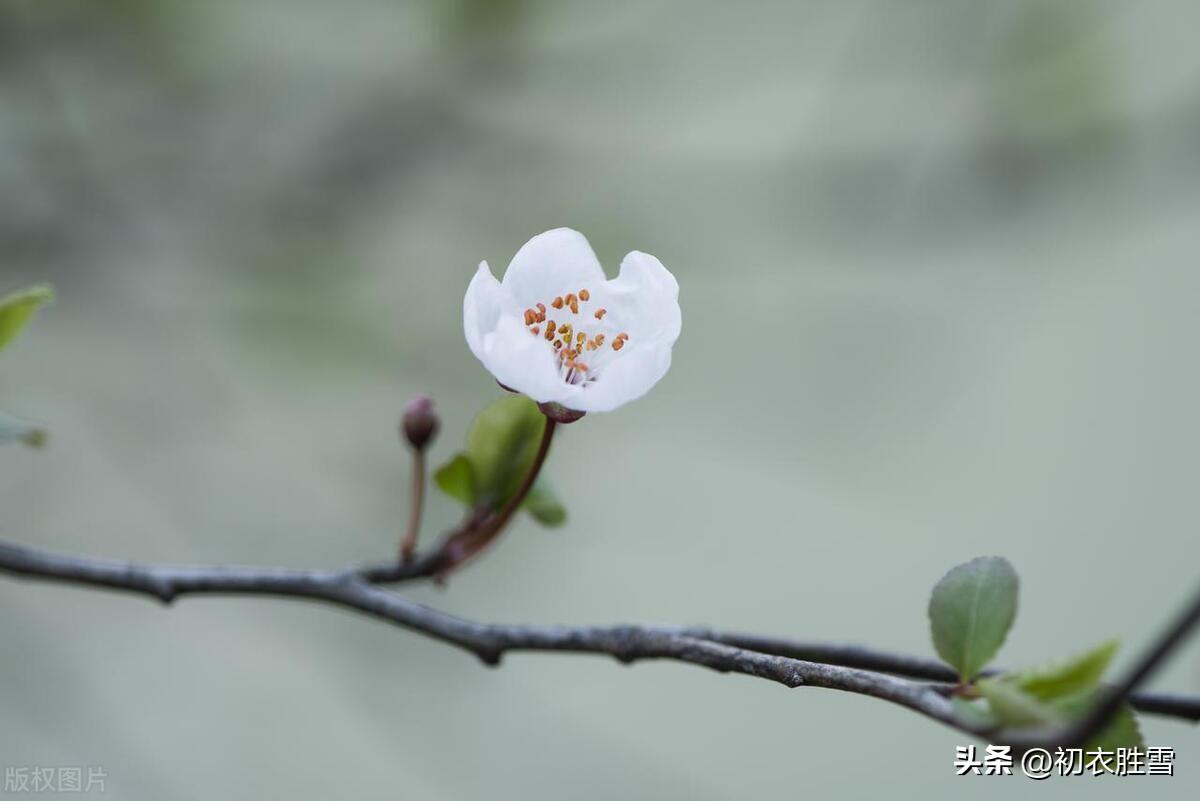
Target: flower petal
(551,264)
(647,293)
(521,361)
(627,378)
(482,306)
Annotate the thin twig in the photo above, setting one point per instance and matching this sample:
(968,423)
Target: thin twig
(349,589)
(408,545)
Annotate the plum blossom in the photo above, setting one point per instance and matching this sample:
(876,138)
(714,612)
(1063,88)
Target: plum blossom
(559,331)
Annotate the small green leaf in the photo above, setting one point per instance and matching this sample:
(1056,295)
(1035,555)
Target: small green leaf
(1068,676)
(543,505)
(456,478)
(1013,706)
(970,612)
(18,308)
(973,713)
(501,446)
(1122,730)
(15,430)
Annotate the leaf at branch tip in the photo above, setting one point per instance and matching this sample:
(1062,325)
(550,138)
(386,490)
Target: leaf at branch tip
(1067,676)
(543,505)
(456,478)
(1122,730)
(14,430)
(970,612)
(1013,706)
(973,713)
(18,308)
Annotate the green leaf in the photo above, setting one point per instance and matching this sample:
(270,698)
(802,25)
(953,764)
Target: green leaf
(1067,676)
(1013,706)
(14,430)
(501,447)
(970,612)
(973,713)
(456,478)
(1122,730)
(543,505)
(18,308)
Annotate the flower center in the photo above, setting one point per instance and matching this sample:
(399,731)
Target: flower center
(579,335)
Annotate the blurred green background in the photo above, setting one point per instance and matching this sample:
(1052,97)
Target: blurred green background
(940,300)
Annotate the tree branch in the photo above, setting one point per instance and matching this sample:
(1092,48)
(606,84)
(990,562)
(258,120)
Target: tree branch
(792,664)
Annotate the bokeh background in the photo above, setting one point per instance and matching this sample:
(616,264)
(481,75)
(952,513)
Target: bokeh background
(940,300)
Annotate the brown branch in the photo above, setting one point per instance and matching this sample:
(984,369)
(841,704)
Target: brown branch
(408,545)
(350,588)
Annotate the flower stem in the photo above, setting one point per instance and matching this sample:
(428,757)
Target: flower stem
(501,518)
(469,541)
(408,546)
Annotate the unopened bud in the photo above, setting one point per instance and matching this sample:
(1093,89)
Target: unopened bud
(420,421)
(559,413)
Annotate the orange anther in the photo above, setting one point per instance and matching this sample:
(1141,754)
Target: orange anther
(581,367)
(584,295)
(530,317)
(600,313)
(570,298)
(537,329)
(622,335)
(618,343)
(541,307)
(557,303)
(574,307)
(599,340)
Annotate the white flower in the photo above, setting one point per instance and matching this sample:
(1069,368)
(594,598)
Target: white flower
(557,330)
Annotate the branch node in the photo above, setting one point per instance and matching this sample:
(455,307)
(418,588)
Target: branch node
(490,657)
(627,644)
